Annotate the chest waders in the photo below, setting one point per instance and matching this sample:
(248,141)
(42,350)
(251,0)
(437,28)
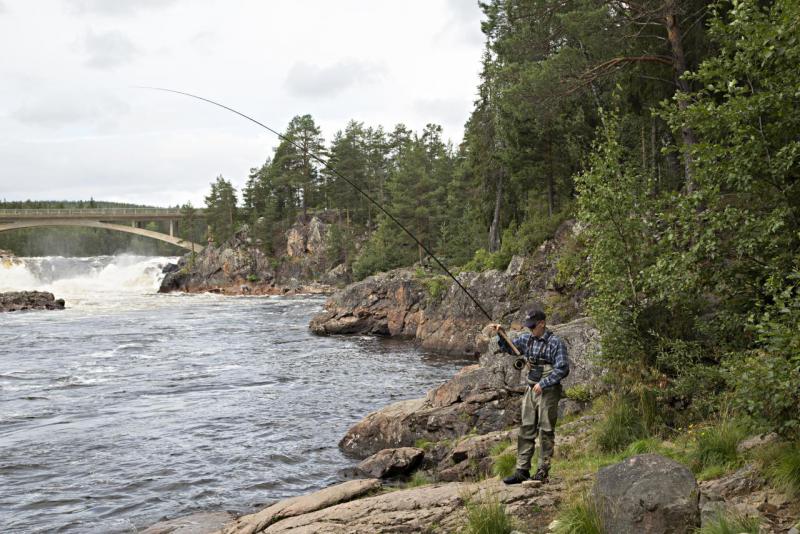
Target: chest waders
(539,415)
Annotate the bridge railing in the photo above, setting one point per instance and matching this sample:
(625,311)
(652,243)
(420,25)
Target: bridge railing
(93,212)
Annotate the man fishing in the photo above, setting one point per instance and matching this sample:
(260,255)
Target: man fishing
(547,364)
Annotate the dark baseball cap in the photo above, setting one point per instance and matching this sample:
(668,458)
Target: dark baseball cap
(533,316)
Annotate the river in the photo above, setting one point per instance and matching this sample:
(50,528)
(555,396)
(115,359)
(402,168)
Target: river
(130,407)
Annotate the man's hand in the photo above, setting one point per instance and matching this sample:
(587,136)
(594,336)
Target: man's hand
(537,389)
(495,328)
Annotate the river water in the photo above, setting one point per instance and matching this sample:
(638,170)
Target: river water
(130,407)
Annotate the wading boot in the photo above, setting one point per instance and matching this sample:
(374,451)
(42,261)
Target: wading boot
(520,475)
(541,473)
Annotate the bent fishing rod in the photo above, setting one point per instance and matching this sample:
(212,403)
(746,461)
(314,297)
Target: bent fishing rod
(336,173)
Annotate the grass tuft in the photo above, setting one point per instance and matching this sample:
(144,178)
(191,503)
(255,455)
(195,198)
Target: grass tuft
(580,516)
(622,426)
(488,517)
(731,523)
(781,465)
(504,464)
(716,446)
(419,478)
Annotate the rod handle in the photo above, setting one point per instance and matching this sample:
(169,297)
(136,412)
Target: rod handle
(502,333)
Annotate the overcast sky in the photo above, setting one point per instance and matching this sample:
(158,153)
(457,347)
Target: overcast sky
(72,125)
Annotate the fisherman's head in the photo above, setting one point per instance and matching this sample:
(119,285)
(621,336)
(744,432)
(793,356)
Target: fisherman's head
(535,320)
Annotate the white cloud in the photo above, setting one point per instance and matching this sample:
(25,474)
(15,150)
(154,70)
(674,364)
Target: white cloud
(70,109)
(114,7)
(305,79)
(443,110)
(108,50)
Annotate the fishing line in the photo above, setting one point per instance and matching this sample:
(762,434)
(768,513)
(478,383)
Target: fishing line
(337,174)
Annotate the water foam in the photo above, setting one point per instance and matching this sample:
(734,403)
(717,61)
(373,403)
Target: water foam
(85,281)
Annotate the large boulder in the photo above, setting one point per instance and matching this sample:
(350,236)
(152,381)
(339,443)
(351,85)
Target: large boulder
(480,398)
(647,493)
(391,462)
(29,300)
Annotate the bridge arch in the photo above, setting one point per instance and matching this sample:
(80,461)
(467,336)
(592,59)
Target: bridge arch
(38,223)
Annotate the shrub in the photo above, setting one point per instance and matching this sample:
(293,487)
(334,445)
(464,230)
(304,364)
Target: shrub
(436,286)
(716,446)
(488,517)
(782,466)
(622,426)
(253,278)
(731,523)
(580,516)
(579,392)
(423,444)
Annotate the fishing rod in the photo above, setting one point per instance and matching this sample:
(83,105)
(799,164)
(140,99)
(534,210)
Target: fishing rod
(336,173)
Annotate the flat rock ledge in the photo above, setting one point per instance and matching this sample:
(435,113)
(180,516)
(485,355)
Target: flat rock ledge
(29,300)
(339,510)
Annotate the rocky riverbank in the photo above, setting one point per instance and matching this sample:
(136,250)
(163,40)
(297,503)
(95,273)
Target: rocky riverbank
(239,266)
(29,300)
(428,307)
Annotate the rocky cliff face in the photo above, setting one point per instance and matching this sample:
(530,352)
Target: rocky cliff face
(428,307)
(239,266)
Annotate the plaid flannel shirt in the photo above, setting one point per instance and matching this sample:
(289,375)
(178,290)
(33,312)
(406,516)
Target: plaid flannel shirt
(555,354)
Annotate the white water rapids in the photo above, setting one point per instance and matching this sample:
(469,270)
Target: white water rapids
(96,282)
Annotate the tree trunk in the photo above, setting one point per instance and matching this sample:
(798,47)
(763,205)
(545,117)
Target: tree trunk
(494,229)
(679,57)
(551,189)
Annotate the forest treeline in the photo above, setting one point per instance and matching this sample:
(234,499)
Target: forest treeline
(670,129)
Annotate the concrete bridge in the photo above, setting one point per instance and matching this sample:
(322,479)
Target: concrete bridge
(108,218)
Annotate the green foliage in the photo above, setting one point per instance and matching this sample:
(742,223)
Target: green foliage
(781,464)
(436,286)
(424,444)
(487,517)
(580,516)
(731,523)
(253,278)
(221,210)
(499,447)
(579,392)
(483,261)
(766,377)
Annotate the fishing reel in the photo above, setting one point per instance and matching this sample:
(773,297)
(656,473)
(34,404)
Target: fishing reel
(519,363)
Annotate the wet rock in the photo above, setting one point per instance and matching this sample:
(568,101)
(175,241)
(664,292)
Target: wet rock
(264,520)
(647,493)
(200,523)
(392,462)
(29,300)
